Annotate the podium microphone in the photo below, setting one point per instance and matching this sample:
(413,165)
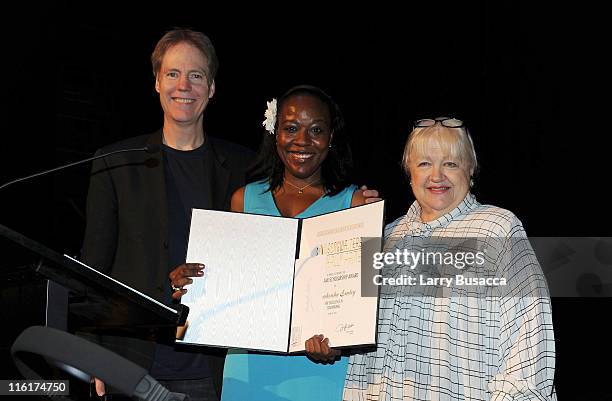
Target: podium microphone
(148,149)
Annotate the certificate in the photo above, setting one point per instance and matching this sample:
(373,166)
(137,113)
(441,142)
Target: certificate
(270,283)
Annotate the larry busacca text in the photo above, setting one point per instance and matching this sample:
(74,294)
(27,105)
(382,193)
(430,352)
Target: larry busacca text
(443,260)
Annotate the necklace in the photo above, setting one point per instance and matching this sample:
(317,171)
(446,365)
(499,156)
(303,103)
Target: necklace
(301,190)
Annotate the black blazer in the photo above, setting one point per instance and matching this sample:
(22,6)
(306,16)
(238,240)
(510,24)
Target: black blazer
(127,219)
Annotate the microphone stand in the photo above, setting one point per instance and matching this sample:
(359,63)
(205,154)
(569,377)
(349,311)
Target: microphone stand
(148,149)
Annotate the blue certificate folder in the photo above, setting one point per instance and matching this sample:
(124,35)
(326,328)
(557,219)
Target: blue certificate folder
(270,282)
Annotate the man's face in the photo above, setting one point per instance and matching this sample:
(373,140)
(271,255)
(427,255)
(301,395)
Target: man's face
(182,84)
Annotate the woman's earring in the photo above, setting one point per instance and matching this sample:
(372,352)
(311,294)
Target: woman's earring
(329,145)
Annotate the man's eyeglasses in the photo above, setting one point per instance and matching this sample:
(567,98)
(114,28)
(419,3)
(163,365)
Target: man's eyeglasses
(445,121)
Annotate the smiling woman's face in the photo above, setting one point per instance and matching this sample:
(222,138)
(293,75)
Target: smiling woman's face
(439,180)
(303,136)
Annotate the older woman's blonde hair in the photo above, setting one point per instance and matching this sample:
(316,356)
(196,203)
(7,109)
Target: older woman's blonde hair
(455,142)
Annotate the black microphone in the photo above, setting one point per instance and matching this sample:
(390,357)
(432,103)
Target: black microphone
(148,149)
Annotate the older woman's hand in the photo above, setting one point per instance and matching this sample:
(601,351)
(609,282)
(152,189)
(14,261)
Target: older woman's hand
(370,195)
(317,347)
(363,196)
(180,277)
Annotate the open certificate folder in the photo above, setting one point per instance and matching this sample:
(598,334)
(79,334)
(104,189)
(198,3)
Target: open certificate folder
(270,283)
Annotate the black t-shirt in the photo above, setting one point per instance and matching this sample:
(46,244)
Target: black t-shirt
(185,189)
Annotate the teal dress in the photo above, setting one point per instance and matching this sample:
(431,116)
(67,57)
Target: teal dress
(256,376)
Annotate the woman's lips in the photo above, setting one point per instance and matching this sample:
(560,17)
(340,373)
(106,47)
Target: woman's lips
(439,189)
(300,157)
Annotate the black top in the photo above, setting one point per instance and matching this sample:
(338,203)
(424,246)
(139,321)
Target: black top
(127,224)
(185,189)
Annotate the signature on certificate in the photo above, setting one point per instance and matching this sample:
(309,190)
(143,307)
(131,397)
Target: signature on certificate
(345,328)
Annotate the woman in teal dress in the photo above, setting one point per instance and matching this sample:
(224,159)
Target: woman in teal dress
(301,171)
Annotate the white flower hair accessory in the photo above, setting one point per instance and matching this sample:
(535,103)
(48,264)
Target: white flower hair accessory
(270,115)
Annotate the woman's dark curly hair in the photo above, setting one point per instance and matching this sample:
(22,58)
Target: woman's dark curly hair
(336,166)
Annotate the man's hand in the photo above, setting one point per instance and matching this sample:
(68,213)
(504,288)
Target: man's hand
(99,385)
(370,195)
(180,277)
(318,349)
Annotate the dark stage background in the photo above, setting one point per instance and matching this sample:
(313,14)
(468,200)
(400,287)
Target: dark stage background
(522,76)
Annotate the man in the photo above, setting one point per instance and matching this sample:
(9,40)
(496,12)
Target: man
(139,205)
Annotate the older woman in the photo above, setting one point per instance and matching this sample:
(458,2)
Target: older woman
(457,342)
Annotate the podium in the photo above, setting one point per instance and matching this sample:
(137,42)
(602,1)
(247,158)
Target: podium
(95,303)
(74,297)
